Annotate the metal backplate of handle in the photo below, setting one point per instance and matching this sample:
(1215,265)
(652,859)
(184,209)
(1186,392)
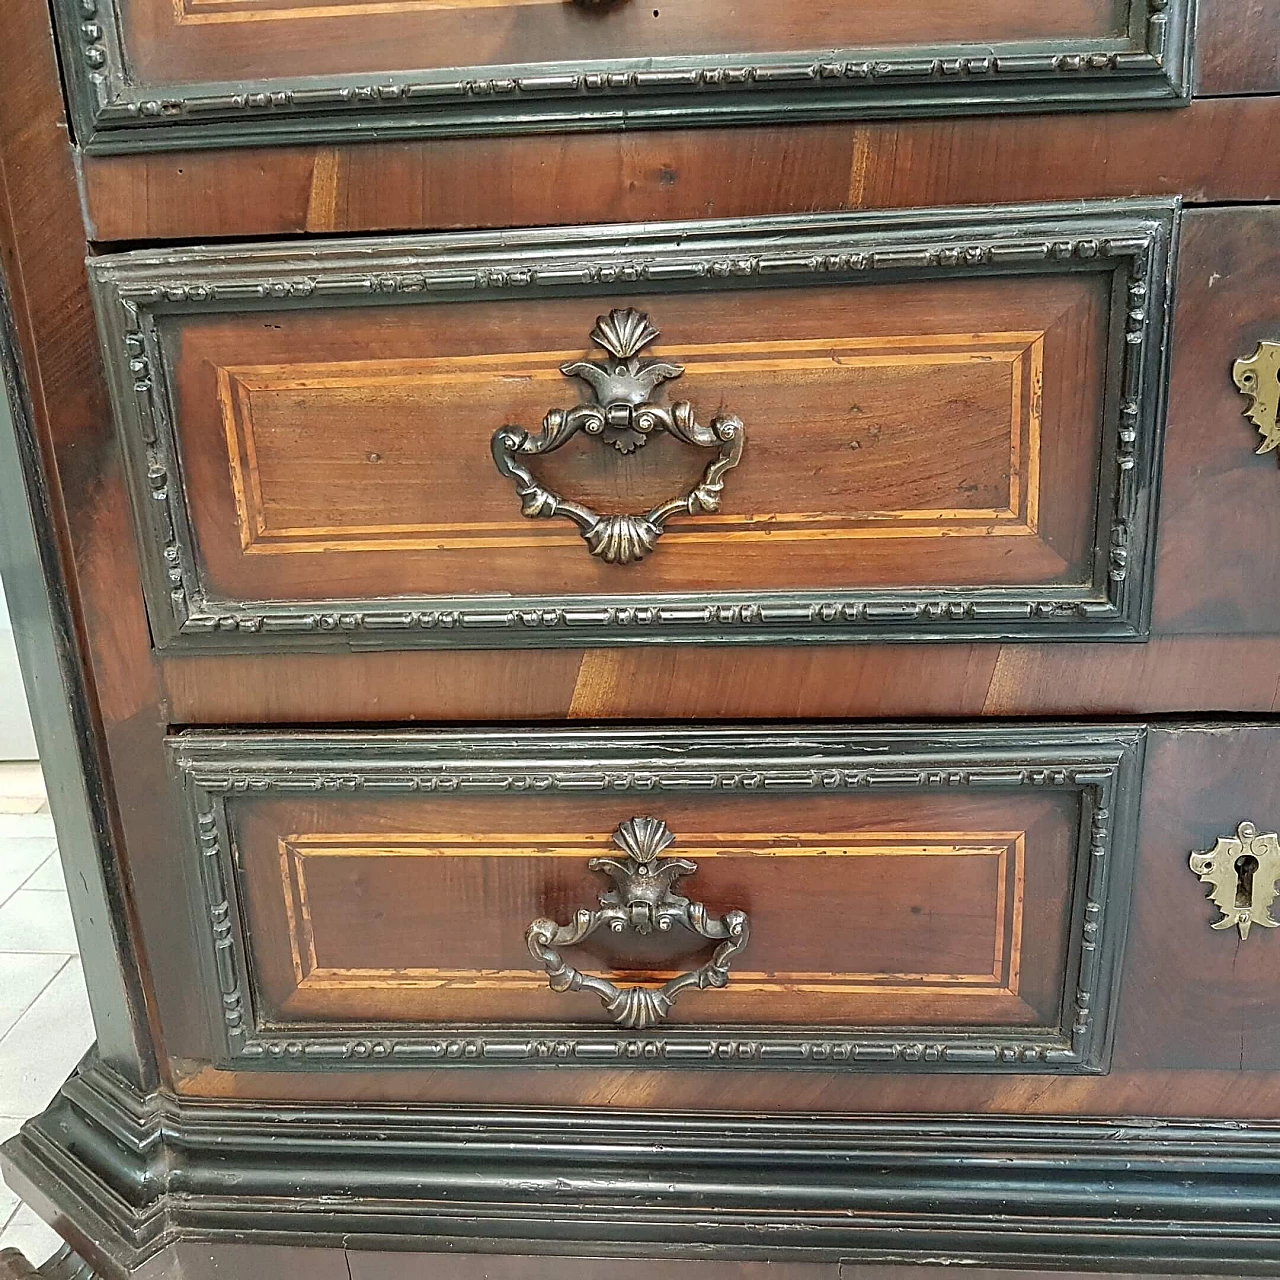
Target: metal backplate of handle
(643,900)
(620,414)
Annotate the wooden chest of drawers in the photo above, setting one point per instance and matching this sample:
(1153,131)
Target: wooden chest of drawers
(656,632)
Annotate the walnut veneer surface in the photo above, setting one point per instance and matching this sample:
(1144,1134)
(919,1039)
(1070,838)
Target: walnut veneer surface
(936,688)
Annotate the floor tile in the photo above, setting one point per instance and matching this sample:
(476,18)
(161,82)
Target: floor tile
(37,920)
(21,778)
(48,875)
(20,858)
(21,787)
(44,1045)
(26,824)
(37,1240)
(22,978)
(21,804)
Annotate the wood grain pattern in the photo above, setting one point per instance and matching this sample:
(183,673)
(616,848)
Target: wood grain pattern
(1189,1047)
(303,872)
(1190,1039)
(1220,522)
(1216,576)
(351,459)
(374,911)
(43,256)
(309,39)
(1238,47)
(1206,153)
(285,477)
(1228,673)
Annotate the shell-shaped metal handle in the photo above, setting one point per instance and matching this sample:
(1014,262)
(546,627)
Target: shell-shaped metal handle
(621,414)
(644,900)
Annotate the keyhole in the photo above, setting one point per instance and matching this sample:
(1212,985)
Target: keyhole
(1246,865)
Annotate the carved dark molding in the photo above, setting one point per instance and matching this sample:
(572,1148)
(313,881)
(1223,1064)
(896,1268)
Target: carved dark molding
(1131,240)
(1043,1193)
(1147,64)
(1101,765)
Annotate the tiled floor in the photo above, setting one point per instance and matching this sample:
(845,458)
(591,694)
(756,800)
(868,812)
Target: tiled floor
(44,1013)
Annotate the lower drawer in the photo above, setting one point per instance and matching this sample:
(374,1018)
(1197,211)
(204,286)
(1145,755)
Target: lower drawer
(906,899)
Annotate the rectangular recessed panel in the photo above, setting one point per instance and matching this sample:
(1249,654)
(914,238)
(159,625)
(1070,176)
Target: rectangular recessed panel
(949,425)
(870,460)
(848,926)
(305,482)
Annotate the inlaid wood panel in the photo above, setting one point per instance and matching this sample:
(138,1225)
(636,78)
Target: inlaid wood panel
(1216,578)
(949,899)
(1189,1039)
(300,487)
(954,436)
(165,73)
(848,927)
(289,501)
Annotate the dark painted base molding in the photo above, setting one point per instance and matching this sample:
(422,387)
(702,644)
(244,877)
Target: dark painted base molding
(128,1179)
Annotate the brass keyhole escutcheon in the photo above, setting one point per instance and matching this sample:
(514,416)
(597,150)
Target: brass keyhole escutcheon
(1258,377)
(1243,871)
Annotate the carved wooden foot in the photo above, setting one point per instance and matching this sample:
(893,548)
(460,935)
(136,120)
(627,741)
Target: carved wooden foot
(14,1266)
(64,1265)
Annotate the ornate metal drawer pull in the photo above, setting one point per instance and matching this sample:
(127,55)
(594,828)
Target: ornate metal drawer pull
(621,415)
(1243,870)
(1258,377)
(643,899)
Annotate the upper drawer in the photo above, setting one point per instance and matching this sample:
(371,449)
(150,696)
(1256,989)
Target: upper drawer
(917,426)
(163,73)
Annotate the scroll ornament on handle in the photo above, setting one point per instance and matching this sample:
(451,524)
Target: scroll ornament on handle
(620,413)
(1258,377)
(1243,871)
(644,901)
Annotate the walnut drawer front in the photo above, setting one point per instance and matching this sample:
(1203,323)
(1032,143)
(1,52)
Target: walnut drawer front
(156,74)
(871,899)
(338,446)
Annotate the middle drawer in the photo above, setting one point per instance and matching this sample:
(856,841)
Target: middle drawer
(935,424)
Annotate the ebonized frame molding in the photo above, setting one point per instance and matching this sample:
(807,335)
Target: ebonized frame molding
(1134,240)
(1149,65)
(1103,765)
(137,1172)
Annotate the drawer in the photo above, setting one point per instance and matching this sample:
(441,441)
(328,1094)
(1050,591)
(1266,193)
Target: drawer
(932,425)
(857,899)
(1238,49)
(1220,520)
(159,74)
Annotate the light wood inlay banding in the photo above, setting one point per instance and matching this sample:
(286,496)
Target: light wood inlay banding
(1006,848)
(248,392)
(203,12)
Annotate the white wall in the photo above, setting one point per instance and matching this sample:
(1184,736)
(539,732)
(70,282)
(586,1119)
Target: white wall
(17,742)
